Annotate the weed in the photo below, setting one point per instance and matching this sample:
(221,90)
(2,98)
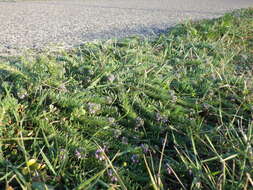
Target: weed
(174,112)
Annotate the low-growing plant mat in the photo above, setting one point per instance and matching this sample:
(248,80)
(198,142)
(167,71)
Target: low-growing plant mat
(170,113)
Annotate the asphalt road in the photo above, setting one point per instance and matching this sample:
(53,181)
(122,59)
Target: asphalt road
(38,24)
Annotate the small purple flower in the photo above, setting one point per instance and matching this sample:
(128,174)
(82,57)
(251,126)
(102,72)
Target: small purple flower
(110,172)
(111,78)
(117,133)
(100,153)
(135,158)
(145,148)
(161,118)
(139,122)
(111,175)
(111,120)
(80,153)
(93,108)
(114,179)
(63,154)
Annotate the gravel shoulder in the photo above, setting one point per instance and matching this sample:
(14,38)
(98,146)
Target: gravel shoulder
(67,23)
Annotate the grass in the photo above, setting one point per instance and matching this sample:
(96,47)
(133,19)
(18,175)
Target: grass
(174,112)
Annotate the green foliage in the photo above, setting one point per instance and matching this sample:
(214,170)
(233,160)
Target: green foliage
(169,113)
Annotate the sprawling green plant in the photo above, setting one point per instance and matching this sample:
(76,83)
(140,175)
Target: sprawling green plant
(174,112)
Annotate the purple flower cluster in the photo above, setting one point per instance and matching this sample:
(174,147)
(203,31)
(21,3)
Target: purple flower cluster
(112,177)
(111,78)
(135,158)
(80,153)
(63,154)
(111,120)
(117,133)
(161,118)
(139,122)
(145,148)
(100,153)
(93,108)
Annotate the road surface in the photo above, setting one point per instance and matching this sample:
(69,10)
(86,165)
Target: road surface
(38,24)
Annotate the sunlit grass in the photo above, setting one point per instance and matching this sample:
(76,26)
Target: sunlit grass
(170,113)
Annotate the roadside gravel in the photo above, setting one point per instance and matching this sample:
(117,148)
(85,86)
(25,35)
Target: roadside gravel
(67,23)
